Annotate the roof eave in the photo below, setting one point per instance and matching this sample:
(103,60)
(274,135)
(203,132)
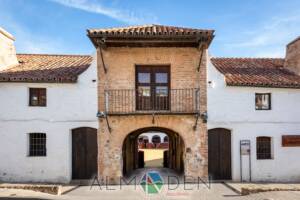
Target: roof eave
(230,84)
(156,40)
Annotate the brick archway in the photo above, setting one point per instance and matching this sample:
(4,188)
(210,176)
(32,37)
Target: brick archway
(175,154)
(110,143)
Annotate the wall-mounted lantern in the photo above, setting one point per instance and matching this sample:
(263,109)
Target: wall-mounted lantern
(204,117)
(101,114)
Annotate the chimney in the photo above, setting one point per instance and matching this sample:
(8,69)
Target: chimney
(292,58)
(8,55)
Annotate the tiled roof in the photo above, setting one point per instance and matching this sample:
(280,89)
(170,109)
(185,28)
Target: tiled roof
(46,68)
(256,72)
(150,36)
(149,30)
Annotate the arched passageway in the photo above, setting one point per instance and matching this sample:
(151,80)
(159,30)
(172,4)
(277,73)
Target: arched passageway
(156,140)
(134,159)
(166,139)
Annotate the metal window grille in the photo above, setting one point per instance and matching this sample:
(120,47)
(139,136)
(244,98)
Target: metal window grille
(263,148)
(37,144)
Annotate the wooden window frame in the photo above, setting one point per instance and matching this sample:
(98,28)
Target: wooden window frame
(269,102)
(39,92)
(264,155)
(39,148)
(153,69)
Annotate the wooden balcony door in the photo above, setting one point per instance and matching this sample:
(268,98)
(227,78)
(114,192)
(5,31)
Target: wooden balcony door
(152,87)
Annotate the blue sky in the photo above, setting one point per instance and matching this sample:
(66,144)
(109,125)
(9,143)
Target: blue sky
(244,28)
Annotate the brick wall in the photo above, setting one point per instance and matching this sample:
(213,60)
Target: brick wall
(120,63)
(292,59)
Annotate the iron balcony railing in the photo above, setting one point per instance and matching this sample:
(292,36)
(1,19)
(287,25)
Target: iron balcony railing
(158,100)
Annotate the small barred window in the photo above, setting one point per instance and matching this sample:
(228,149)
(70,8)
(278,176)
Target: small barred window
(263,148)
(37,144)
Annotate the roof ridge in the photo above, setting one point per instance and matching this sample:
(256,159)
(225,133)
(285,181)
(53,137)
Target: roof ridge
(131,26)
(147,25)
(183,27)
(45,54)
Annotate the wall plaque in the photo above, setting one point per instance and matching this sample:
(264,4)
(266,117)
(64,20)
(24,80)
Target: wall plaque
(245,147)
(291,140)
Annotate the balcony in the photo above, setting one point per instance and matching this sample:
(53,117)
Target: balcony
(160,100)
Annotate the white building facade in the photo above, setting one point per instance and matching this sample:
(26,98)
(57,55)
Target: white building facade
(74,104)
(233,108)
(69,106)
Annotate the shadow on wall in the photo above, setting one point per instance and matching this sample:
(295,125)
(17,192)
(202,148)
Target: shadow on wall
(155,163)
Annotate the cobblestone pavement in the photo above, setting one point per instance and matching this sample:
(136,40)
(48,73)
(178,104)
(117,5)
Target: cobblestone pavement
(169,191)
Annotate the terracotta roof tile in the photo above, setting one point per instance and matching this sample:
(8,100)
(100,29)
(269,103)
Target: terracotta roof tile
(46,68)
(256,72)
(150,30)
(152,35)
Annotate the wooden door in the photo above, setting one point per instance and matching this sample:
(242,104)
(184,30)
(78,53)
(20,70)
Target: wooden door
(84,153)
(153,87)
(219,154)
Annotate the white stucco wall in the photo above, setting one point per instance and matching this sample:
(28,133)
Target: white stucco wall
(8,56)
(233,108)
(69,106)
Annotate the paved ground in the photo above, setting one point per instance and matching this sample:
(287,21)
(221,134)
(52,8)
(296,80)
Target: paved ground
(168,175)
(250,188)
(169,191)
(153,157)
(218,191)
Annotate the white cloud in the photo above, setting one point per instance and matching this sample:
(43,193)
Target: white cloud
(95,6)
(270,38)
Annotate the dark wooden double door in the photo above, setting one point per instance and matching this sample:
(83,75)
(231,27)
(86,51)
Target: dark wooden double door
(152,87)
(84,153)
(219,154)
